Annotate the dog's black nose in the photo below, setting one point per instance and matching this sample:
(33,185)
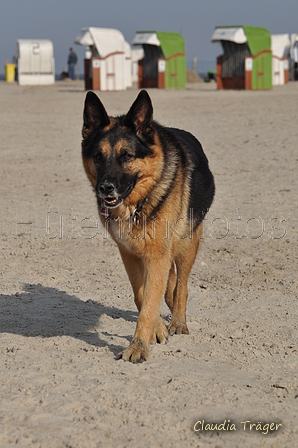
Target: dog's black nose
(106,188)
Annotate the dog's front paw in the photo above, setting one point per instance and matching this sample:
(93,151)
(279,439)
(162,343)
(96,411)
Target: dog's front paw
(177,326)
(161,333)
(136,352)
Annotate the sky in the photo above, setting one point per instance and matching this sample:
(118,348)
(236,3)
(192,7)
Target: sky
(61,21)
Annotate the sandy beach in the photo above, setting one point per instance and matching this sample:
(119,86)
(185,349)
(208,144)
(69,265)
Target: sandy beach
(66,305)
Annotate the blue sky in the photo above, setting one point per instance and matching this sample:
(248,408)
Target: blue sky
(60,21)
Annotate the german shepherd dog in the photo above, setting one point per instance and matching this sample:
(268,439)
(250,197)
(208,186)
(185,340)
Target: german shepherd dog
(153,187)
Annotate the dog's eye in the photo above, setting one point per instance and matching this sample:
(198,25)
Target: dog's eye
(98,157)
(125,156)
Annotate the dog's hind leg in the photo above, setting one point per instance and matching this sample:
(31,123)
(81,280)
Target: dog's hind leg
(184,261)
(169,295)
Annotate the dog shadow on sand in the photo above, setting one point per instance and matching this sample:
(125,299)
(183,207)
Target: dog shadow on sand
(49,312)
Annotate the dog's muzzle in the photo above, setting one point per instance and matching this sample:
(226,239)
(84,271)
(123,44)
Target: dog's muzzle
(109,195)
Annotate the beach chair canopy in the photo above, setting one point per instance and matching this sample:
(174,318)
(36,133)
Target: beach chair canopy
(232,34)
(105,40)
(170,43)
(280,45)
(257,39)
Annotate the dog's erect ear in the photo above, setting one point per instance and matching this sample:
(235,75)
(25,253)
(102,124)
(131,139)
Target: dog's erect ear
(95,115)
(140,115)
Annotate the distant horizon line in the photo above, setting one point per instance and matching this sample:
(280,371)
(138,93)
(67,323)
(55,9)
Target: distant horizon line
(81,75)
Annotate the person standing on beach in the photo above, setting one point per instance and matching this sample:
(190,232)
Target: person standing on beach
(72,62)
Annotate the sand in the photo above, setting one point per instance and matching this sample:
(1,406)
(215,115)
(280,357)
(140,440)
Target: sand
(66,306)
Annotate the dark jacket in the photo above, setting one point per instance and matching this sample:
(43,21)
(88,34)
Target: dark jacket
(72,59)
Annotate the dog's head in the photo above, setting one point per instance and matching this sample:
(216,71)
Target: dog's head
(121,155)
